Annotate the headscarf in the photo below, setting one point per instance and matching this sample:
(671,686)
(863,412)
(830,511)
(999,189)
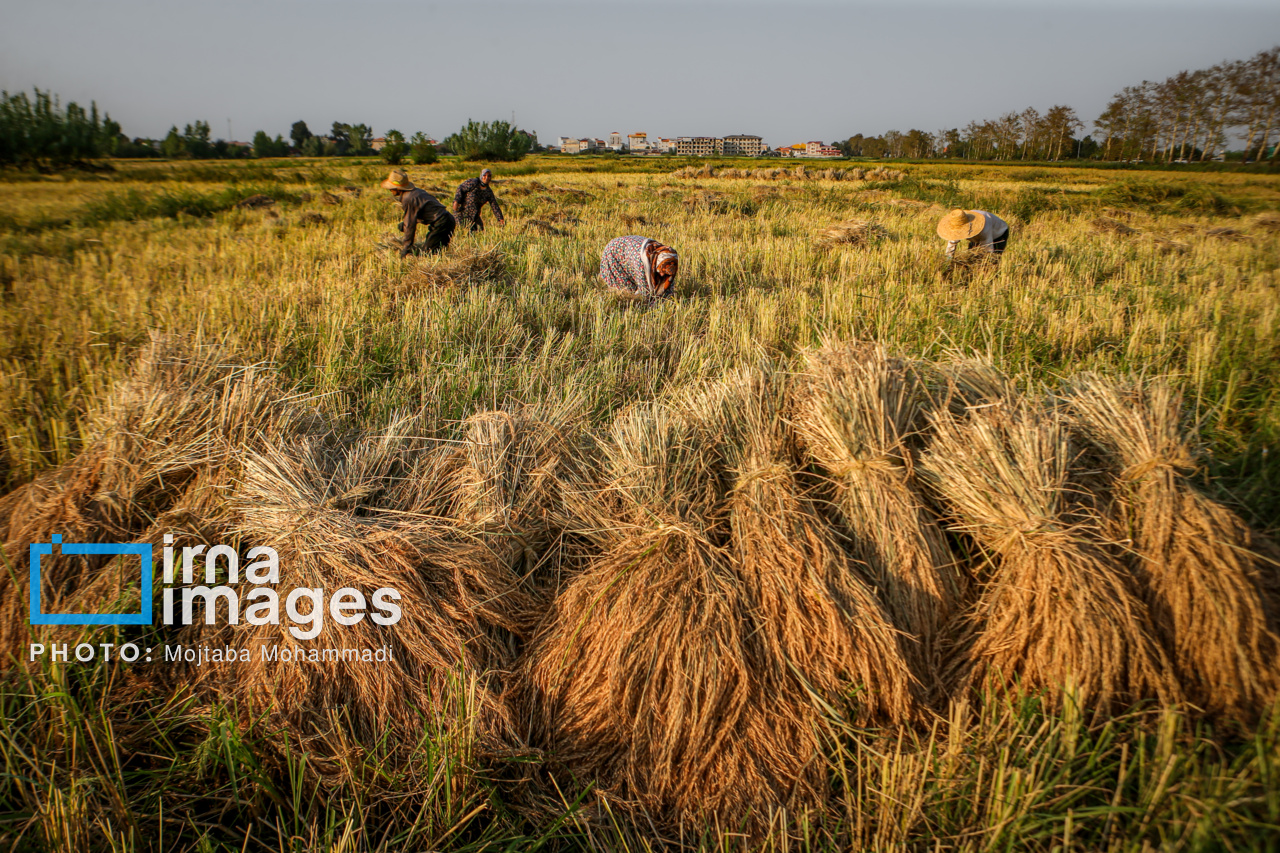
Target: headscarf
(484,172)
(653,262)
(666,256)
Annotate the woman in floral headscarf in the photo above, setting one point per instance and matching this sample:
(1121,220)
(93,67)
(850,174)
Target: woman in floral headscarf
(638,268)
(472,195)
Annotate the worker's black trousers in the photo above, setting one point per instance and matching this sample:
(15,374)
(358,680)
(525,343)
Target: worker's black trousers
(439,234)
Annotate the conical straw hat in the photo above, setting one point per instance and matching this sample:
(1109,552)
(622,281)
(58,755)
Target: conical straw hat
(961,224)
(398,180)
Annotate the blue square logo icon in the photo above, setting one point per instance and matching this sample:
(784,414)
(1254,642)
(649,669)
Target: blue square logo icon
(39,549)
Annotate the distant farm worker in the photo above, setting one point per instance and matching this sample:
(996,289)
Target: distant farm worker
(420,206)
(472,195)
(638,268)
(985,231)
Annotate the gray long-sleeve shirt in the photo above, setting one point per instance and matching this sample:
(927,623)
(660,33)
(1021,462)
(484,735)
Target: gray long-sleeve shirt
(992,228)
(419,206)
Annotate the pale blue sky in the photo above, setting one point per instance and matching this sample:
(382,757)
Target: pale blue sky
(789,71)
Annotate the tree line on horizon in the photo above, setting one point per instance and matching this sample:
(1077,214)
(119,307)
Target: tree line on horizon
(1189,116)
(36,131)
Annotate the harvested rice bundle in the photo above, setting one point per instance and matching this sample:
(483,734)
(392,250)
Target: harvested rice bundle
(1055,612)
(644,676)
(964,383)
(544,228)
(508,495)
(1107,225)
(854,232)
(470,266)
(1166,246)
(856,411)
(173,423)
(820,621)
(321,507)
(1207,585)
(1228,234)
(1268,221)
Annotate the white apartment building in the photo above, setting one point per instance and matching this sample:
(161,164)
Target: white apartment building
(638,142)
(616,142)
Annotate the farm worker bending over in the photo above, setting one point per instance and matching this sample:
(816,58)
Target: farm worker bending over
(984,231)
(420,206)
(472,195)
(638,268)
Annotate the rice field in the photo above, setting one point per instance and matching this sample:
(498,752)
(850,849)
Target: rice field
(844,547)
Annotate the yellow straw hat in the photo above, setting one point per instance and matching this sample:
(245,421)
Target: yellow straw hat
(398,180)
(961,224)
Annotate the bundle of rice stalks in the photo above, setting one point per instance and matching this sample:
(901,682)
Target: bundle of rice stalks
(312,218)
(884,173)
(1228,234)
(572,194)
(856,411)
(1167,246)
(707,201)
(564,217)
(470,266)
(1055,612)
(323,507)
(351,190)
(632,219)
(157,442)
(1208,587)
(1268,221)
(516,466)
(643,677)
(329,198)
(1107,225)
(544,228)
(255,202)
(821,624)
(908,203)
(854,232)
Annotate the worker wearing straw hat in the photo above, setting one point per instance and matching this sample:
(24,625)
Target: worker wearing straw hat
(472,195)
(984,231)
(639,269)
(420,206)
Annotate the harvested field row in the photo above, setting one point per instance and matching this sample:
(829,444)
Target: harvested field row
(688,608)
(802,173)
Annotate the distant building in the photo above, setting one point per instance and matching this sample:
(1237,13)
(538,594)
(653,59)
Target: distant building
(569,146)
(638,142)
(698,146)
(743,145)
(378,143)
(813,149)
(829,151)
(667,146)
(616,142)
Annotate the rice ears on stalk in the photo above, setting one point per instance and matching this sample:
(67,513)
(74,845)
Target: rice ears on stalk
(320,504)
(1054,610)
(645,674)
(519,462)
(1208,587)
(856,412)
(160,440)
(819,620)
